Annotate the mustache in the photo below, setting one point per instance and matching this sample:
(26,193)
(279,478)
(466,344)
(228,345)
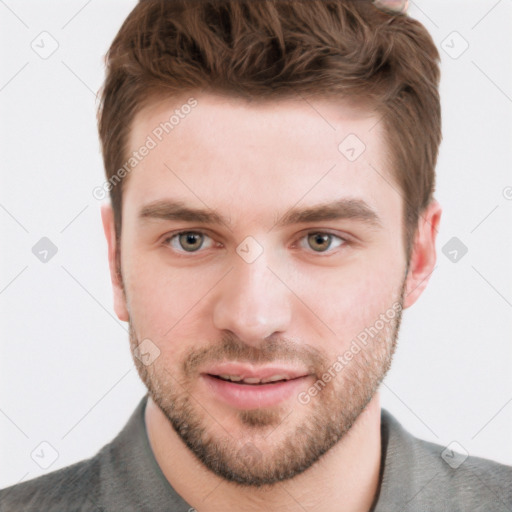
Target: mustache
(231,348)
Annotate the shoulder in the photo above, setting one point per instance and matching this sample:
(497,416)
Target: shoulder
(483,483)
(118,477)
(429,476)
(73,488)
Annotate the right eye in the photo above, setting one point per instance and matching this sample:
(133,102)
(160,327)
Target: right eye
(187,241)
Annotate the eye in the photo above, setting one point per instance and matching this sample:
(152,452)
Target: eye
(321,242)
(192,241)
(188,241)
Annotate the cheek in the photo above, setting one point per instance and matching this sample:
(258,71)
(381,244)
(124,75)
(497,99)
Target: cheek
(165,300)
(350,298)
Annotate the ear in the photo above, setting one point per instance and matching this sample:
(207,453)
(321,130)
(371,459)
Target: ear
(423,253)
(114,262)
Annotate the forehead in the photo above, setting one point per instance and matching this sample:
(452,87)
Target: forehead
(258,158)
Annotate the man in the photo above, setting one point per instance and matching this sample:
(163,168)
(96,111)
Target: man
(271,172)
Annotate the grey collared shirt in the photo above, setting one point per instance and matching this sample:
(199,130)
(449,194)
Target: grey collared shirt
(124,476)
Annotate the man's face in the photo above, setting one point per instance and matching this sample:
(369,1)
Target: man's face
(263,295)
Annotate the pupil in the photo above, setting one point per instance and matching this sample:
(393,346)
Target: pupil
(192,239)
(320,239)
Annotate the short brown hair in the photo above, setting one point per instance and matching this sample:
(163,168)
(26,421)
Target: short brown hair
(267,49)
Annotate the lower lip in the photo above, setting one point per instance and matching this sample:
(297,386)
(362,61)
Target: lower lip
(253,396)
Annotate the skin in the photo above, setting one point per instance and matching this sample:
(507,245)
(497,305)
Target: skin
(251,162)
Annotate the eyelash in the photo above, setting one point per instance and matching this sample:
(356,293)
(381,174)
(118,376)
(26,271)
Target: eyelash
(183,253)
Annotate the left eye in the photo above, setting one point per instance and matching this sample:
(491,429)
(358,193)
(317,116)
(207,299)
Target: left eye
(321,242)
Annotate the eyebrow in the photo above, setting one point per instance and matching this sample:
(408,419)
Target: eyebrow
(353,209)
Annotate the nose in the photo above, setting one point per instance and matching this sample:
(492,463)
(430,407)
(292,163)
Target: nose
(252,302)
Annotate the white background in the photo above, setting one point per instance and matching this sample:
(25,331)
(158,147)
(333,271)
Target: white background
(66,375)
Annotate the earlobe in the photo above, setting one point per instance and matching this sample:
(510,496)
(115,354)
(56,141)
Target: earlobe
(423,254)
(107,217)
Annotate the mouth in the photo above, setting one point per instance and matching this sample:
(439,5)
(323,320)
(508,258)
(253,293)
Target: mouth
(251,381)
(247,387)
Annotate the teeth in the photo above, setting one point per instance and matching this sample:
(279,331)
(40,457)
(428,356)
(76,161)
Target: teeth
(253,380)
(275,378)
(234,378)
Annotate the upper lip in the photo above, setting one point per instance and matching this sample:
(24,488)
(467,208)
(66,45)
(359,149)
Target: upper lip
(243,371)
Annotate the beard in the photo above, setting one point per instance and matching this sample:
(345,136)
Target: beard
(273,444)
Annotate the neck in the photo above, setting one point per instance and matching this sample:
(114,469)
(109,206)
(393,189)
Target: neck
(345,479)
